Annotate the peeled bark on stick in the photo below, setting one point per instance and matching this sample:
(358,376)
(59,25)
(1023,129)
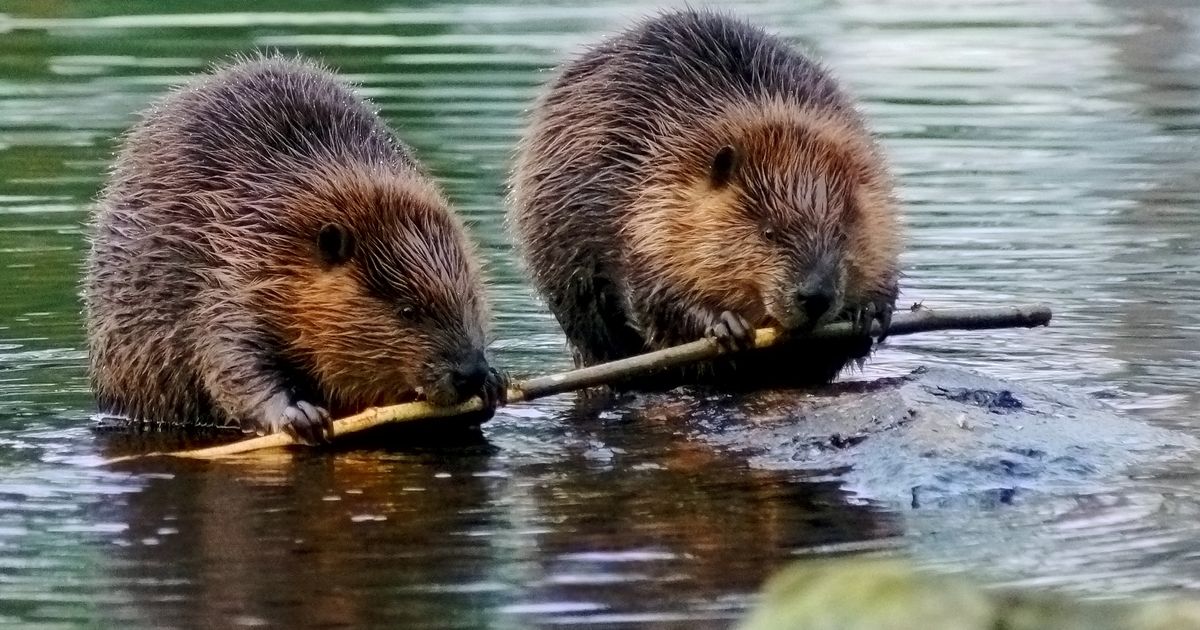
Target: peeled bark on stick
(920,319)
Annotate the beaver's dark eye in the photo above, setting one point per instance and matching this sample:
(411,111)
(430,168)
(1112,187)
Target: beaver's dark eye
(335,243)
(408,312)
(769,233)
(723,164)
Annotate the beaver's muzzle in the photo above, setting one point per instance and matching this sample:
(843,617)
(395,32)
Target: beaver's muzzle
(463,378)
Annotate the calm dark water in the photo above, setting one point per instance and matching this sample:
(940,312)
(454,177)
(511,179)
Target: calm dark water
(1047,152)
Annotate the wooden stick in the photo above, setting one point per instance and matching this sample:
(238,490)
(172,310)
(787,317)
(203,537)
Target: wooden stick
(919,319)
(906,323)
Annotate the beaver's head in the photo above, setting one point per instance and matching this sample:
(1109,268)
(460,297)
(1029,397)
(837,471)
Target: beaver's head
(776,213)
(387,300)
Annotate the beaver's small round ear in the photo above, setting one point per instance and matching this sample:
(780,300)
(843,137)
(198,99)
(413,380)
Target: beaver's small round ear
(723,165)
(335,243)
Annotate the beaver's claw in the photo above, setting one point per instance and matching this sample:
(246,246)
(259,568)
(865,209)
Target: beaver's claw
(495,389)
(731,332)
(877,311)
(304,421)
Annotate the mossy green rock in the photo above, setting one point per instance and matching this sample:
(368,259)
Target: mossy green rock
(890,595)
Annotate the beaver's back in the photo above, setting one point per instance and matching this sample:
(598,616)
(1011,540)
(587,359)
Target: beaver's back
(621,101)
(252,129)
(680,66)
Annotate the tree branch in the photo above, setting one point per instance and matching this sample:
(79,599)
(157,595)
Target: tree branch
(920,319)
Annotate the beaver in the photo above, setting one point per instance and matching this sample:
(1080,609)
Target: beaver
(267,252)
(697,176)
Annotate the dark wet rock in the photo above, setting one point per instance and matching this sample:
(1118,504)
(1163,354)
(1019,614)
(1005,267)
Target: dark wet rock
(934,436)
(996,401)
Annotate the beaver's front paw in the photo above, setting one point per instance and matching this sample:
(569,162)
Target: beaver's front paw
(495,389)
(307,423)
(731,332)
(863,317)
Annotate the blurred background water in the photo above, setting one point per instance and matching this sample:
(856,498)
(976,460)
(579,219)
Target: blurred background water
(1046,152)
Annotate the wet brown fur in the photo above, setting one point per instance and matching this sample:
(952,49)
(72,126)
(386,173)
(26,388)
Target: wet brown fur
(633,243)
(208,297)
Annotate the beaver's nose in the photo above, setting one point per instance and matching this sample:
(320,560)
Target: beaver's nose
(813,304)
(814,301)
(468,375)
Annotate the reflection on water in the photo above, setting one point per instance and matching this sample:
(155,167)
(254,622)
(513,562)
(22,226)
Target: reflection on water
(454,535)
(1046,151)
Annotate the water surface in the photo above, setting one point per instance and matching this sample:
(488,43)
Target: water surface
(1046,152)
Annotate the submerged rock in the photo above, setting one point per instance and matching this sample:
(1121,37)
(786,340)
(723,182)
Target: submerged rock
(890,595)
(934,436)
